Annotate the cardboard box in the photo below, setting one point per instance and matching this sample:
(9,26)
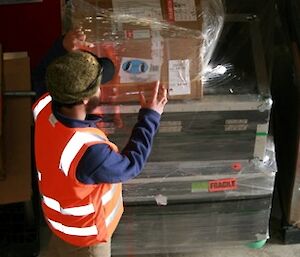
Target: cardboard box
(163,44)
(2,172)
(16,186)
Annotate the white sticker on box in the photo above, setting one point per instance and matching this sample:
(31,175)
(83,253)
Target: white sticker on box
(138,70)
(161,199)
(137,34)
(138,8)
(184,10)
(179,77)
(236,124)
(261,140)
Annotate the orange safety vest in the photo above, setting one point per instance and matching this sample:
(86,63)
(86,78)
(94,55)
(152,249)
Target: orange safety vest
(80,214)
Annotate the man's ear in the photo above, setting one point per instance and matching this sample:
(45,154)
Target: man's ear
(85,101)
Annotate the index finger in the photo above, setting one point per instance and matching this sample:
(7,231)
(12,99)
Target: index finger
(155,91)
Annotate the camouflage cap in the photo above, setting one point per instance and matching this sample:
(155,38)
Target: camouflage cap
(74,76)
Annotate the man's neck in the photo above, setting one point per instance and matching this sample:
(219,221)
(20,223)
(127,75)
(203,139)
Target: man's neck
(76,112)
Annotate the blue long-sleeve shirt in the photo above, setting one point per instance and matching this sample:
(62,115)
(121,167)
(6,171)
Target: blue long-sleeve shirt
(100,164)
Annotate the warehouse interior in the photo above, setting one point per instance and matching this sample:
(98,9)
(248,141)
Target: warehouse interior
(222,178)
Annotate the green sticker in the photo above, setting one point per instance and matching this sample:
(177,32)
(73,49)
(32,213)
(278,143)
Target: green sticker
(199,186)
(261,134)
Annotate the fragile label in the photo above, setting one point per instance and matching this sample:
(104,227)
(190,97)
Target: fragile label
(179,77)
(222,185)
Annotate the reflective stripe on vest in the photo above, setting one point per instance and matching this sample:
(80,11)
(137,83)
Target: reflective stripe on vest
(39,175)
(73,147)
(73,231)
(114,212)
(109,194)
(81,211)
(41,105)
(74,211)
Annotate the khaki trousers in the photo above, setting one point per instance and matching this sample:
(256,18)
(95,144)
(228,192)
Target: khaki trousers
(59,248)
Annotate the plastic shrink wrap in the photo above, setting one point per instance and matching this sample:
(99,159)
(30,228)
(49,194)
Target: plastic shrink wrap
(209,178)
(187,208)
(150,41)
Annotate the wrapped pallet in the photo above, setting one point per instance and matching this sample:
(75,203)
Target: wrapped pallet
(209,179)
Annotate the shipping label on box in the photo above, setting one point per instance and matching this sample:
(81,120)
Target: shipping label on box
(181,10)
(137,33)
(179,77)
(138,8)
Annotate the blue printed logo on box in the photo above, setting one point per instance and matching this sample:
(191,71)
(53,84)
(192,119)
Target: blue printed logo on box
(135,66)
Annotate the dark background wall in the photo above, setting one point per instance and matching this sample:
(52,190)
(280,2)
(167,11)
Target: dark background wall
(30,27)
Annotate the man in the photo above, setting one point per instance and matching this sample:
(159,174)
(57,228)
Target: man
(80,171)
